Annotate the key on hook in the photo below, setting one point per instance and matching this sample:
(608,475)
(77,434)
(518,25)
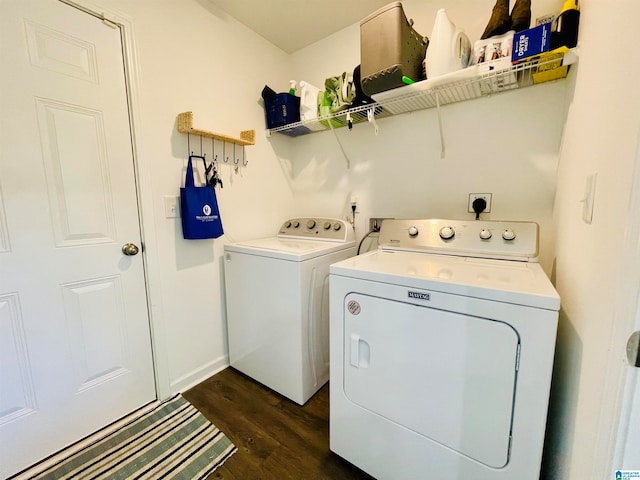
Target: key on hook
(215,179)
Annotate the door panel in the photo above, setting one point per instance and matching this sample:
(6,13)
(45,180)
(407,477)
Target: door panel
(446,376)
(79,190)
(58,52)
(17,394)
(94,313)
(75,349)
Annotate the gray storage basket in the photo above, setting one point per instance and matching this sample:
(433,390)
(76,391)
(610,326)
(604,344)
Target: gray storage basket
(389,49)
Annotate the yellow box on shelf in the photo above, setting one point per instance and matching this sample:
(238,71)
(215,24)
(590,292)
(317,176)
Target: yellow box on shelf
(550,66)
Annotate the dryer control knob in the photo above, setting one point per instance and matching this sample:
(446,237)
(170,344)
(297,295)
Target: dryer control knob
(413,231)
(296,224)
(287,225)
(485,234)
(311,224)
(337,226)
(447,233)
(327,225)
(508,235)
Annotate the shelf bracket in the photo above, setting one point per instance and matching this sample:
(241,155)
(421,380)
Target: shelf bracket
(346,158)
(185,125)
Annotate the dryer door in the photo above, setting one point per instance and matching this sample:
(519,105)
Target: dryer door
(446,376)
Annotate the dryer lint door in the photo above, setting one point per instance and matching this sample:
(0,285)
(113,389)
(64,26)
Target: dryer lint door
(448,377)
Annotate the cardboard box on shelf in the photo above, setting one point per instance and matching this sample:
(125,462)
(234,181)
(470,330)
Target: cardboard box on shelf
(390,48)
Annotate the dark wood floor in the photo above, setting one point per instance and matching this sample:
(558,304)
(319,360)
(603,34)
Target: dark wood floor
(276,438)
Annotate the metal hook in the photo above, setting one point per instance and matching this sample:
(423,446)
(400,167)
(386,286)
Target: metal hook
(245,162)
(235,159)
(214,157)
(203,155)
(224,152)
(372,119)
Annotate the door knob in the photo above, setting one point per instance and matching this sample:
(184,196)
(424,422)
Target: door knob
(130,249)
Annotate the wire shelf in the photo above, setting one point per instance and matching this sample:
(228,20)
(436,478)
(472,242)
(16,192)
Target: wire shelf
(467,84)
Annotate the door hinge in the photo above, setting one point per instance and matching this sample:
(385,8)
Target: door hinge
(108,21)
(633,349)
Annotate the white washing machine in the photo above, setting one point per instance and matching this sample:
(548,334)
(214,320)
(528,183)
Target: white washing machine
(277,292)
(442,346)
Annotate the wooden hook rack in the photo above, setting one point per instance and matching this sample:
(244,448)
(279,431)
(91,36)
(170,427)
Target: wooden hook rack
(185,125)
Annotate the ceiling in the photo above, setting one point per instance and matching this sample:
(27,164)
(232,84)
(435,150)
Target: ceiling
(294,24)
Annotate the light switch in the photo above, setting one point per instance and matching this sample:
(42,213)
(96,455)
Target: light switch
(589,198)
(171,206)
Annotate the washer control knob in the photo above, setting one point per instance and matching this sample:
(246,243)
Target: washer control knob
(447,233)
(327,225)
(508,234)
(485,234)
(287,224)
(413,231)
(337,226)
(311,224)
(296,224)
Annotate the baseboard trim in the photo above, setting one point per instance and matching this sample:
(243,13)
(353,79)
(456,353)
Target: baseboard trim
(198,375)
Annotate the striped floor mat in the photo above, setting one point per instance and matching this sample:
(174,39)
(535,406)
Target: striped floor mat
(172,441)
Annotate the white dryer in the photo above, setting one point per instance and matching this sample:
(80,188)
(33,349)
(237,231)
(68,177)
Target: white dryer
(277,292)
(442,346)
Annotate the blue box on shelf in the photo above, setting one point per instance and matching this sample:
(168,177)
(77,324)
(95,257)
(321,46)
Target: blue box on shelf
(282,109)
(530,42)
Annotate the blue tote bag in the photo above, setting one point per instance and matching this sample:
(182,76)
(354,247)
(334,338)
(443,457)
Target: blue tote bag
(199,209)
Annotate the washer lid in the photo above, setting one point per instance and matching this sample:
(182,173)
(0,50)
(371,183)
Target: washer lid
(287,249)
(520,283)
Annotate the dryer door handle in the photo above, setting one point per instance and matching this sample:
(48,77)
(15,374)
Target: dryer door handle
(360,352)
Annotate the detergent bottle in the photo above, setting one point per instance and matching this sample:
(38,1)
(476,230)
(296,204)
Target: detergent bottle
(308,101)
(448,49)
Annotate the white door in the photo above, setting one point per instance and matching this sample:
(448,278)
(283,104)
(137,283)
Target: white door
(75,348)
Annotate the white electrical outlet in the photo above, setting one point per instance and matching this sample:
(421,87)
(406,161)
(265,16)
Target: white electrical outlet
(475,196)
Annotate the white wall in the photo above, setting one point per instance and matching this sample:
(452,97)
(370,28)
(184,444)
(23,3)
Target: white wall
(506,145)
(597,287)
(193,57)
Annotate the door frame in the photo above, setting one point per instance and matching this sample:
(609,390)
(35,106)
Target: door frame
(142,173)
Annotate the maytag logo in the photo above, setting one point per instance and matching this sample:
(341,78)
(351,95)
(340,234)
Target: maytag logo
(419,295)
